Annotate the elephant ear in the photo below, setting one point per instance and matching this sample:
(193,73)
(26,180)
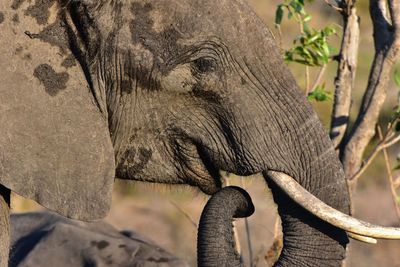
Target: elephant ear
(54,141)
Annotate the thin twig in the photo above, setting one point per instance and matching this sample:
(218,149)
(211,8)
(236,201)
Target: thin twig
(392,142)
(319,77)
(247,225)
(278,28)
(248,233)
(390,176)
(396,183)
(383,144)
(333,6)
(184,213)
(307,80)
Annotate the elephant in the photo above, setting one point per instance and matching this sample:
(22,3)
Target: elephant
(163,92)
(48,239)
(215,240)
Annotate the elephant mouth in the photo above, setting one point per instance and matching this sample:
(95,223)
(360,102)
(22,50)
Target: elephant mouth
(205,173)
(196,167)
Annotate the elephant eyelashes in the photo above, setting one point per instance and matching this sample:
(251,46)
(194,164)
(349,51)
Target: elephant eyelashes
(205,65)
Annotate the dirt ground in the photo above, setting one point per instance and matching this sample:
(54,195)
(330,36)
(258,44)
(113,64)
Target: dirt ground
(168,215)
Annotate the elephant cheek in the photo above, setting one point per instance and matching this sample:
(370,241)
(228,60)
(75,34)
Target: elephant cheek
(145,164)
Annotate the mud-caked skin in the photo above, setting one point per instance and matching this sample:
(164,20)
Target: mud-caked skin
(173,91)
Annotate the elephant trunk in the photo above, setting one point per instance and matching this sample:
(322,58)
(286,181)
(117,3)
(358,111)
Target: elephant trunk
(291,140)
(215,242)
(309,241)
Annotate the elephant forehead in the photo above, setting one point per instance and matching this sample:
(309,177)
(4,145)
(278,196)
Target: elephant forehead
(166,27)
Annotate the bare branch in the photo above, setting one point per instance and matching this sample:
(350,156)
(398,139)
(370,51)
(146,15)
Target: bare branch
(390,176)
(344,81)
(383,9)
(184,213)
(391,142)
(248,232)
(387,48)
(319,77)
(333,6)
(396,183)
(307,78)
(385,142)
(394,10)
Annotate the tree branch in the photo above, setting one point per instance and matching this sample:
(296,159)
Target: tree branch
(319,78)
(387,46)
(333,6)
(385,142)
(394,10)
(344,81)
(390,176)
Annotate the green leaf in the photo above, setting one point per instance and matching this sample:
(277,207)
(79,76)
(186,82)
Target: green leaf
(319,94)
(329,31)
(296,6)
(332,49)
(279,15)
(397,77)
(397,127)
(307,18)
(326,49)
(313,38)
(290,14)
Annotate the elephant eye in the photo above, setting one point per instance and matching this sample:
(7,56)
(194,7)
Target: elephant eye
(205,64)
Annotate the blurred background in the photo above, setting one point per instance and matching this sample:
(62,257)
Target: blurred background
(168,215)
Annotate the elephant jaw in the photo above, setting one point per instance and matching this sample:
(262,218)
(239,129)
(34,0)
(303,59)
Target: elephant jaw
(355,228)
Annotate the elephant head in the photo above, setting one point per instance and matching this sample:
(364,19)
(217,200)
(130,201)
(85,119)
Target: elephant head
(163,91)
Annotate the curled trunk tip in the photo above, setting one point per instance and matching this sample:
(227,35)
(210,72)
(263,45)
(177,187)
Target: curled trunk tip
(215,242)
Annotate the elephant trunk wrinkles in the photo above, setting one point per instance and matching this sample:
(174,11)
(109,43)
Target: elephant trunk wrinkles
(290,139)
(307,240)
(215,243)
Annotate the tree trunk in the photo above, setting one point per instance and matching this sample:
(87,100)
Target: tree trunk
(4,225)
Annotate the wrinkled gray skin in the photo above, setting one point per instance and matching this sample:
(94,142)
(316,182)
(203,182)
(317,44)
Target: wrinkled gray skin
(173,91)
(215,240)
(47,239)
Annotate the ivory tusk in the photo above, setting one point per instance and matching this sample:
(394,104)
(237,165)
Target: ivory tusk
(343,221)
(364,239)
